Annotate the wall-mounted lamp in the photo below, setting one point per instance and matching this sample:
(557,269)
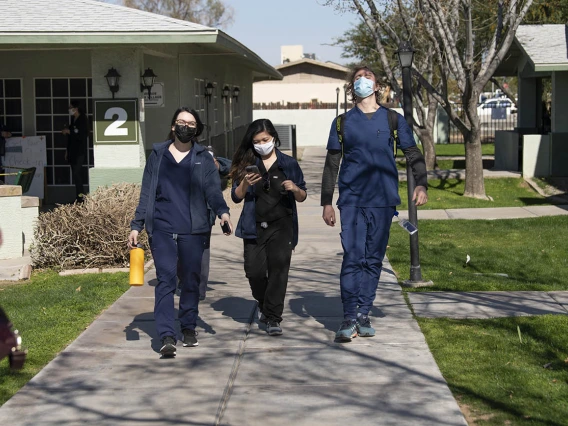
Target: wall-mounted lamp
(236,92)
(209,91)
(147,80)
(226,92)
(112,77)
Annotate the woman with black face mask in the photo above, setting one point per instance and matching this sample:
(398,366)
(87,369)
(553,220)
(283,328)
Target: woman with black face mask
(180,181)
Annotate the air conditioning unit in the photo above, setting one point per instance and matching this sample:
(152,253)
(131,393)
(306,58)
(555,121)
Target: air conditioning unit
(285,135)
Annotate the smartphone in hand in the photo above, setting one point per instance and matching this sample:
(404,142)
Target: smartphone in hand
(226,228)
(252,169)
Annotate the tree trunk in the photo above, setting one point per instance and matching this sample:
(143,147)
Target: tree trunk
(474,184)
(427,140)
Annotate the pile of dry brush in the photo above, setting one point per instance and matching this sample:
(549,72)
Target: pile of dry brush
(92,234)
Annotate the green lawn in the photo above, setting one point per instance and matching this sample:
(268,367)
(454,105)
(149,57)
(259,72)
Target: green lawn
(533,253)
(455,149)
(50,312)
(498,380)
(448,194)
(447,164)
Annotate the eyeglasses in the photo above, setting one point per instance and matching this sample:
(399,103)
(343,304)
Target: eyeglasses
(266,184)
(186,123)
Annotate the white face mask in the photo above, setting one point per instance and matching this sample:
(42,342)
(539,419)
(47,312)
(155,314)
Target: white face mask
(264,148)
(71,111)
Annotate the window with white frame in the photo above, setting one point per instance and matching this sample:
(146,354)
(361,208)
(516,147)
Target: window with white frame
(11,105)
(52,98)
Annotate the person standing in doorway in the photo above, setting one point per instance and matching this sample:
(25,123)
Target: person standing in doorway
(270,183)
(77,146)
(368,195)
(180,180)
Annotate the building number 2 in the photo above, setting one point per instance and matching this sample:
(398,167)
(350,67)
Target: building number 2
(114,128)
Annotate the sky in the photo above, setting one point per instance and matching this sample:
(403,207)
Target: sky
(265,25)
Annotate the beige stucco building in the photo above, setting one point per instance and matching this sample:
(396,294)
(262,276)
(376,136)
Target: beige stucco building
(56,51)
(304,81)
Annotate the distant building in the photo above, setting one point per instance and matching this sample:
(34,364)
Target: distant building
(306,81)
(309,96)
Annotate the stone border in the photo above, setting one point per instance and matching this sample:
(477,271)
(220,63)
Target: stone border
(67,272)
(554,198)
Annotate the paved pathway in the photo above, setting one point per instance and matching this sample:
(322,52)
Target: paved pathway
(112,374)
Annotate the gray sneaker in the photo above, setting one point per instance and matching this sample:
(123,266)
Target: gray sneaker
(347,331)
(273,328)
(364,328)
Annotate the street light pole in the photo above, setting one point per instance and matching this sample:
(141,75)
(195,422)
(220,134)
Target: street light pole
(345,98)
(405,57)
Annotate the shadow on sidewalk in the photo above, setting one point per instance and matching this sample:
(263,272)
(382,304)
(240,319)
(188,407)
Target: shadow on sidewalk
(325,309)
(144,323)
(237,308)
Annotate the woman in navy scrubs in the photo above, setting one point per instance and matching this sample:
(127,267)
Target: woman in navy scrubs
(269,221)
(180,181)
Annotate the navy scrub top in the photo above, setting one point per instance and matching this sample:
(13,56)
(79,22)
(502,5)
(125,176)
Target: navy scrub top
(172,213)
(368,176)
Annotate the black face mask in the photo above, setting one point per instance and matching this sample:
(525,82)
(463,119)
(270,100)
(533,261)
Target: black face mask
(185,133)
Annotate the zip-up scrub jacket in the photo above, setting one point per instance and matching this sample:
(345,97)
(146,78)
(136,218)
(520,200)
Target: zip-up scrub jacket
(204,190)
(246,228)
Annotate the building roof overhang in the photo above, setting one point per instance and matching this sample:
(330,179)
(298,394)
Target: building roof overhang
(100,25)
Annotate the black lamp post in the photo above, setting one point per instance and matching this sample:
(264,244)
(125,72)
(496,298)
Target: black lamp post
(112,77)
(337,102)
(208,94)
(345,97)
(147,81)
(226,92)
(405,56)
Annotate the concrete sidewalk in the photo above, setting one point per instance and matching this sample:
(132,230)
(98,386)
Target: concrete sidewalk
(113,375)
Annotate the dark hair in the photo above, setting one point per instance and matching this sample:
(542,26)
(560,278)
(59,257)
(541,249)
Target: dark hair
(245,155)
(351,92)
(75,104)
(200,126)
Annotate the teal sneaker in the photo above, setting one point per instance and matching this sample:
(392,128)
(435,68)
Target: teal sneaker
(364,328)
(347,331)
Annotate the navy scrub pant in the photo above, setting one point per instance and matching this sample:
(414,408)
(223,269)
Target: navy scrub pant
(166,249)
(364,237)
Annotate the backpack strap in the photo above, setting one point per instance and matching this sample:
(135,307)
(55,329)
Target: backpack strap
(393,126)
(340,128)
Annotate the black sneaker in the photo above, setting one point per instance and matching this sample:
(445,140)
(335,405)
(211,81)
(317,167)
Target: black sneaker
(273,328)
(168,348)
(190,337)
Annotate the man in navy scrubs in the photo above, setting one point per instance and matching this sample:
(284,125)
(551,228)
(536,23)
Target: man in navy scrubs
(368,196)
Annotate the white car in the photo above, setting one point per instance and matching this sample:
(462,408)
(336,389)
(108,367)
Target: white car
(496,109)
